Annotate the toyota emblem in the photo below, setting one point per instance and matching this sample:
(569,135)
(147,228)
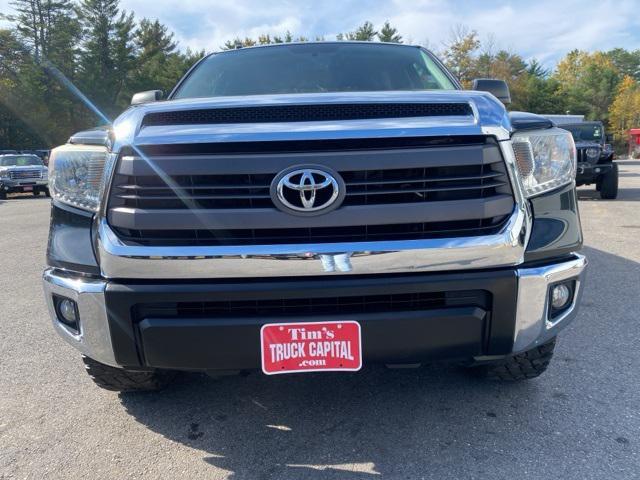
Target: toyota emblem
(310,190)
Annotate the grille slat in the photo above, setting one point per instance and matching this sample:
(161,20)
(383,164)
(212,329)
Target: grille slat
(193,187)
(140,198)
(428,189)
(362,233)
(427,179)
(305,113)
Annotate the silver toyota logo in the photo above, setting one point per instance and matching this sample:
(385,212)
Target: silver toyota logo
(307,190)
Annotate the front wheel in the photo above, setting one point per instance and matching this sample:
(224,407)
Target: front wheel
(3,194)
(119,380)
(609,184)
(523,366)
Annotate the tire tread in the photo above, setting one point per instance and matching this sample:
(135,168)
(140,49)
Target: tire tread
(523,366)
(119,380)
(609,184)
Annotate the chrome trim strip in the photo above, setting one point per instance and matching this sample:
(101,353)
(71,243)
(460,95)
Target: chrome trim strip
(532,325)
(94,339)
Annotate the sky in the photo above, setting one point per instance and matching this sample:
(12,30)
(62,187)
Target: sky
(541,29)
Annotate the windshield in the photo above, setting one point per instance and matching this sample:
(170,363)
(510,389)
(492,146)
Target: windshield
(19,161)
(314,68)
(585,133)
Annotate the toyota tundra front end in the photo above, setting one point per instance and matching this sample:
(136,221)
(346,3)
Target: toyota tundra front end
(312,207)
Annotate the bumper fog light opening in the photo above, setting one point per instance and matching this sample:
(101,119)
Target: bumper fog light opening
(560,296)
(67,313)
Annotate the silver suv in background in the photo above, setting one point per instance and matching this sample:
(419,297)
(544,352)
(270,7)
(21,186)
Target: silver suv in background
(23,173)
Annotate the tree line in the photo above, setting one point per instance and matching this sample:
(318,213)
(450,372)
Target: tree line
(57,52)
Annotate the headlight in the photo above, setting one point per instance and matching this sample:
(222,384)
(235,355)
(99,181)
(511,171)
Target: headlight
(592,152)
(4,173)
(546,159)
(75,175)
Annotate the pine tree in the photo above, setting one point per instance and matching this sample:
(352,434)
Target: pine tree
(389,34)
(158,64)
(364,33)
(46,32)
(38,21)
(107,53)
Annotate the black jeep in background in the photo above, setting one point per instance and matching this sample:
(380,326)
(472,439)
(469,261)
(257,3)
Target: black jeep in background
(595,158)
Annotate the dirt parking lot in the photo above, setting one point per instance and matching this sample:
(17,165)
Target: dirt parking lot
(580,420)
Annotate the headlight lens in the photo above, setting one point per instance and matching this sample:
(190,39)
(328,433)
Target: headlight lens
(75,175)
(592,152)
(4,173)
(546,159)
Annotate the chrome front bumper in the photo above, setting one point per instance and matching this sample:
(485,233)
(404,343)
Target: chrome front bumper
(503,249)
(532,327)
(22,182)
(94,339)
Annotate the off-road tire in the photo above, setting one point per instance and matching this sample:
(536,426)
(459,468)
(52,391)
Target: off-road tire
(3,195)
(523,366)
(609,184)
(119,380)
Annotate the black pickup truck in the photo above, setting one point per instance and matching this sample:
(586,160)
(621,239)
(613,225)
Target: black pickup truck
(314,207)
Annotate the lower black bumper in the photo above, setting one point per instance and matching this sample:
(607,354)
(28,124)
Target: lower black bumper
(587,173)
(404,319)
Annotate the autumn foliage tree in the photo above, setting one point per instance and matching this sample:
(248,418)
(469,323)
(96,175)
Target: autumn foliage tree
(625,108)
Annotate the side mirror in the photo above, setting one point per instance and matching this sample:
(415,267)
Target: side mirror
(498,88)
(608,138)
(146,97)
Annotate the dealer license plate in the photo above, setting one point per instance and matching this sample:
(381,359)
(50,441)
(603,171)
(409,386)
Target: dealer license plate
(311,347)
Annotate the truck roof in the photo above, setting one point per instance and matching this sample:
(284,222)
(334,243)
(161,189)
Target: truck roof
(322,42)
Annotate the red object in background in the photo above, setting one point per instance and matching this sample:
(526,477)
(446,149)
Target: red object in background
(634,141)
(311,346)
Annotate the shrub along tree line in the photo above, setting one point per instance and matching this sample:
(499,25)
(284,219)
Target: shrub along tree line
(54,49)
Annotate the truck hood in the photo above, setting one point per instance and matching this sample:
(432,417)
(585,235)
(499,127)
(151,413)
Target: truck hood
(486,116)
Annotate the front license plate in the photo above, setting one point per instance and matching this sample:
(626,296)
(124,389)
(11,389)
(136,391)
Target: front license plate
(27,189)
(311,347)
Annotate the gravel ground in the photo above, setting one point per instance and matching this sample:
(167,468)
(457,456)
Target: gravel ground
(580,420)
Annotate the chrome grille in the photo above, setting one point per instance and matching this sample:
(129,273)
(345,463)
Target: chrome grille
(25,174)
